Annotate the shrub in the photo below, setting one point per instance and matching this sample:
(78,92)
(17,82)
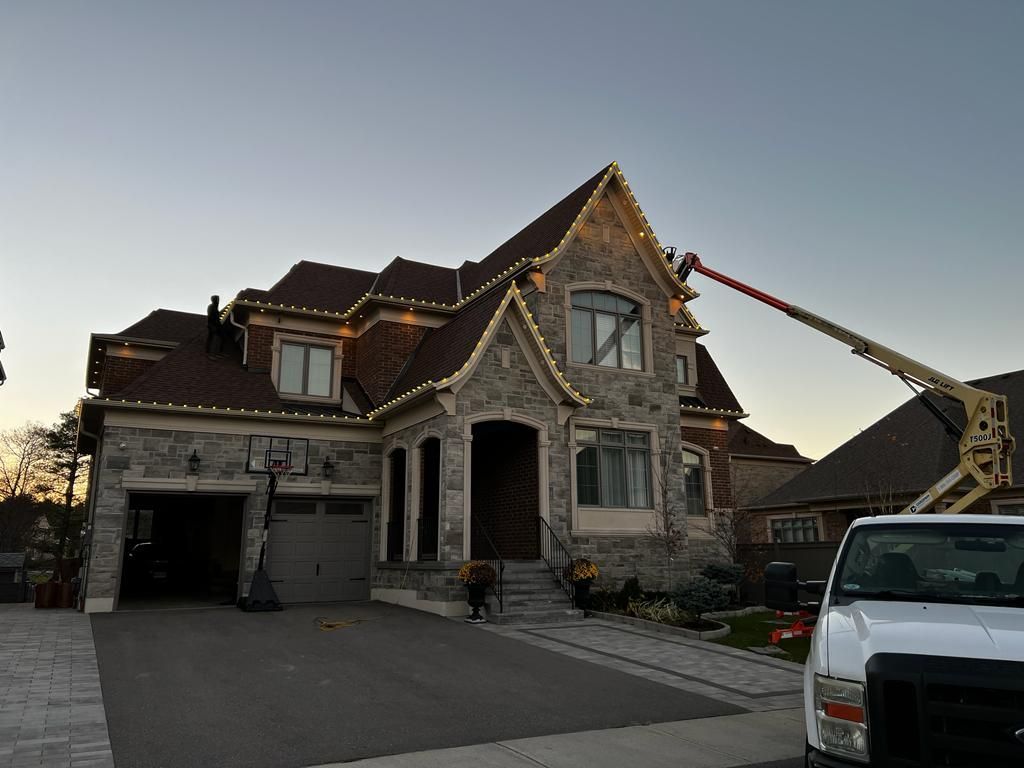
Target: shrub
(630,591)
(663,611)
(723,573)
(605,600)
(701,595)
(477,572)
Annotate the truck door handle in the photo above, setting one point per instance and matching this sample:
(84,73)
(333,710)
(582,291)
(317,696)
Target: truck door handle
(318,569)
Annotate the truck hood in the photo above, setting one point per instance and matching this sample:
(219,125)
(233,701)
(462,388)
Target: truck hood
(858,631)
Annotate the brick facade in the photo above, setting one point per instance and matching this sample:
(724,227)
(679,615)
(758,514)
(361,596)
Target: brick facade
(505,497)
(260,347)
(715,442)
(119,372)
(382,353)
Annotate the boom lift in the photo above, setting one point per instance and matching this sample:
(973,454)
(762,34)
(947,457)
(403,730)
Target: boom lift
(985,444)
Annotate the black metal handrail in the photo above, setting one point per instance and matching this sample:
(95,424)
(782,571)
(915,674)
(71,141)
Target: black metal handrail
(495,562)
(558,559)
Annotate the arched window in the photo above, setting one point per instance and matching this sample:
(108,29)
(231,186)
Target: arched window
(693,483)
(606,330)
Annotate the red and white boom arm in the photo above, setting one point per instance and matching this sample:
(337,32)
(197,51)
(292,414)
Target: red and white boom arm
(985,445)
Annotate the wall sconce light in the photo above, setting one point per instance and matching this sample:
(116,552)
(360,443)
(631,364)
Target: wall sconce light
(327,469)
(193,461)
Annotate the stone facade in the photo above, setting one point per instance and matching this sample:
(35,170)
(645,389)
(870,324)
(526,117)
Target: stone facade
(136,458)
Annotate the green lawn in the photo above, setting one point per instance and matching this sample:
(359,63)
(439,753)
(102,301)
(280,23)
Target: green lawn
(753,629)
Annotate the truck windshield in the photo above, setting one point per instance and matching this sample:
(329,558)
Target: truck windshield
(946,562)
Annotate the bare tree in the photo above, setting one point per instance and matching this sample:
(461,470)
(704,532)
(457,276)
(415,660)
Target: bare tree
(23,455)
(731,529)
(664,531)
(883,483)
(19,522)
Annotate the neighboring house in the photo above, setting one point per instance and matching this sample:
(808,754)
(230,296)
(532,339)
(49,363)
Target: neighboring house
(883,469)
(759,465)
(12,577)
(431,415)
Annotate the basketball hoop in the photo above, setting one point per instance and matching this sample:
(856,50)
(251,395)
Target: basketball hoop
(280,471)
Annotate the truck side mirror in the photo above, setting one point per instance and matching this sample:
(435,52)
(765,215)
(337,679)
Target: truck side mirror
(781,587)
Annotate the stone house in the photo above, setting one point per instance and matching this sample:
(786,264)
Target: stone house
(555,389)
(882,469)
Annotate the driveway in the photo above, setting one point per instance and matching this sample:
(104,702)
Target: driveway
(224,688)
(51,710)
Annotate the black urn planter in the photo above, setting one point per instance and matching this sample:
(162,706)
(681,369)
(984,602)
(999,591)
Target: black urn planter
(477,598)
(582,594)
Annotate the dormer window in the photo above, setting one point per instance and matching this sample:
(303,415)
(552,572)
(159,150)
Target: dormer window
(606,330)
(307,368)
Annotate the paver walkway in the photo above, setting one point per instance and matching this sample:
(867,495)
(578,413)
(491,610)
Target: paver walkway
(51,706)
(730,675)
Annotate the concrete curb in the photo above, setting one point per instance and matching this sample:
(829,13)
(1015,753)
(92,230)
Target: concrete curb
(653,626)
(737,612)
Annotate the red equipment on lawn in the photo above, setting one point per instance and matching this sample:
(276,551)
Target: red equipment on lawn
(802,627)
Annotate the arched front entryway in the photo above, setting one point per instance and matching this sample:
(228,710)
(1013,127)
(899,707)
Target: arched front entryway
(505,498)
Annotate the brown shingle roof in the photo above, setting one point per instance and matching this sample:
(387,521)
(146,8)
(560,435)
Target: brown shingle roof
(442,351)
(189,376)
(316,286)
(905,451)
(414,279)
(712,388)
(744,441)
(535,239)
(166,325)
(336,289)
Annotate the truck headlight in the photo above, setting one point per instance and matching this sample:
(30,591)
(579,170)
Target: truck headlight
(842,718)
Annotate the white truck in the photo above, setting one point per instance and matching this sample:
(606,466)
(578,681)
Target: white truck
(917,657)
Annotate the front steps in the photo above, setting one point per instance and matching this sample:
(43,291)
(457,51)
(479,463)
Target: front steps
(531,595)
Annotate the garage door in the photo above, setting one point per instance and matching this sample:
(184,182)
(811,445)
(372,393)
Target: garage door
(319,550)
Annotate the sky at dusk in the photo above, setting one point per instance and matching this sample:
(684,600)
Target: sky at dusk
(862,160)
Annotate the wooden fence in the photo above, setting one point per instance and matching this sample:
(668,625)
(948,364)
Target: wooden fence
(813,562)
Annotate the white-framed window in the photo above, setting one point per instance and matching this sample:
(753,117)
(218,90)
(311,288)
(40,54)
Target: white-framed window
(695,483)
(305,369)
(1008,507)
(794,530)
(682,370)
(607,330)
(613,468)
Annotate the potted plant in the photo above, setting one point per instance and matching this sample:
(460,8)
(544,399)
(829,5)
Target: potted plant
(477,575)
(581,572)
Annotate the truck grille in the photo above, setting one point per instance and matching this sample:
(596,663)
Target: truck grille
(938,711)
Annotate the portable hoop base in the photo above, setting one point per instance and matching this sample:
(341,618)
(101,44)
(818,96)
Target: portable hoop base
(262,596)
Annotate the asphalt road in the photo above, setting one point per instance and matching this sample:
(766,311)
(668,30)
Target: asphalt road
(219,687)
